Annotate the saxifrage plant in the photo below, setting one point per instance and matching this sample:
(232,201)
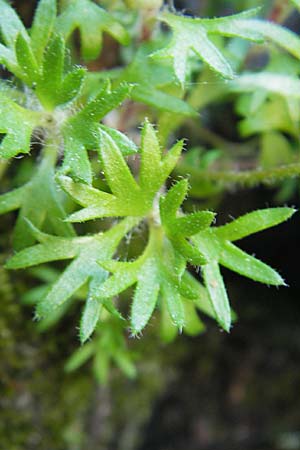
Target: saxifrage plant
(85,162)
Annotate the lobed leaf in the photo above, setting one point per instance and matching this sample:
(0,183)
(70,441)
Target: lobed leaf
(128,198)
(190,35)
(179,228)
(55,87)
(91,20)
(18,124)
(277,34)
(82,131)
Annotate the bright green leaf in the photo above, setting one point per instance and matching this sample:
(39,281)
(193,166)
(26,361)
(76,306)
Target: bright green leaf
(10,24)
(235,259)
(145,296)
(17,124)
(82,131)
(128,197)
(253,222)
(42,26)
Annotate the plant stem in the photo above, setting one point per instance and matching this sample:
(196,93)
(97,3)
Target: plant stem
(247,177)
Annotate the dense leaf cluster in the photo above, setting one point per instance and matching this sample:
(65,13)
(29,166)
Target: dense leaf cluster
(88,169)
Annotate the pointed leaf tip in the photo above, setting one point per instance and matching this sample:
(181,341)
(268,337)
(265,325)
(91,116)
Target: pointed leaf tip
(89,319)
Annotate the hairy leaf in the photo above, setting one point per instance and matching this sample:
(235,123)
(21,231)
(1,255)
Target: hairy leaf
(54,87)
(178,229)
(86,251)
(216,246)
(193,35)
(17,124)
(42,26)
(128,197)
(82,131)
(37,207)
(149,78)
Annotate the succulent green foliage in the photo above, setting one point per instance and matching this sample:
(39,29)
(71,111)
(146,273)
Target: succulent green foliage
(38,59)
(159,274)
(62,107)
(11,27)
(21,47)
(85,251)
(216,245)
(22,52)
(109,346)
(42,27)
(193,34)
(17,124)
(38,201)
(179,229)
(128,197)
(149,78)
(83,132)
(54,87)
(92,21)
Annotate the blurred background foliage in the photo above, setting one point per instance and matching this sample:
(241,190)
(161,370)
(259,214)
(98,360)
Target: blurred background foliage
(213,391)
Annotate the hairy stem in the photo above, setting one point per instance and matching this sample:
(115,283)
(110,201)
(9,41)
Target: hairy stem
(247,177)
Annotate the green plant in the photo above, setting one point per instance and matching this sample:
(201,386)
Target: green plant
(81,166)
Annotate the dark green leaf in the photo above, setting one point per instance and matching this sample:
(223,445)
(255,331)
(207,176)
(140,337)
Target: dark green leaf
(26,60)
